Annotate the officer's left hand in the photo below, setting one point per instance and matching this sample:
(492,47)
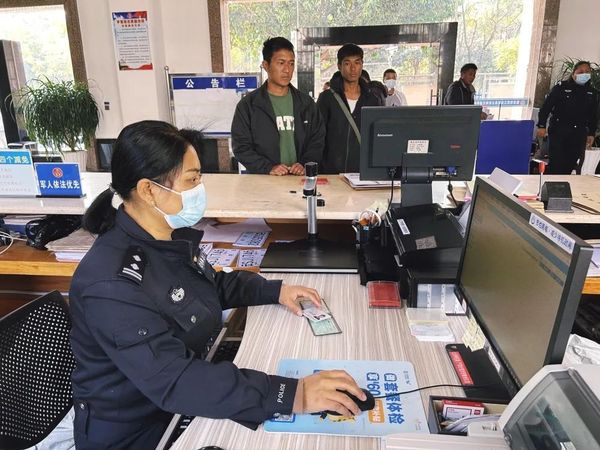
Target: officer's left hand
(297,169)
(290,296)
(590,141)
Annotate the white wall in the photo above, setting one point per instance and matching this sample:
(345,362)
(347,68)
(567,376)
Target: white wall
(178,38)
(577,35)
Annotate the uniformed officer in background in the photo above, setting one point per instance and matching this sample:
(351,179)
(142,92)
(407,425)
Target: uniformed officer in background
(573,108)
(144,301)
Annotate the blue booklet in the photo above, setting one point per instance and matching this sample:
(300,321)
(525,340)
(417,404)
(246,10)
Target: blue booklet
(395,414)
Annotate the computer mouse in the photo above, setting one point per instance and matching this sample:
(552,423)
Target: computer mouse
(364,405)
(210,447)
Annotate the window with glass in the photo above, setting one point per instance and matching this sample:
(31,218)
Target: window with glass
(34,54)
(493,34)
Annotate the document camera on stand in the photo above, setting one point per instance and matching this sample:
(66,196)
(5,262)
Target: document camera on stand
(312,254)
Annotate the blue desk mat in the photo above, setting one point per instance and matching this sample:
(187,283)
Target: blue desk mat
(395,414)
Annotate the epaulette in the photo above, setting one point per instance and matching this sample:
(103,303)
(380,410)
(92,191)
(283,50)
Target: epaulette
(133,265)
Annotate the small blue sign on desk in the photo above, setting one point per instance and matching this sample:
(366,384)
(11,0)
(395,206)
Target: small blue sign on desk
(59,179)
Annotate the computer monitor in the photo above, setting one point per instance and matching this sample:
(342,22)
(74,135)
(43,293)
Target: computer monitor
(104,149)
(418,144)
(521,275)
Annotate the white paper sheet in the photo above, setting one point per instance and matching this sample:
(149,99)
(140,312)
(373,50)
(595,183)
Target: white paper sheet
(231,232)
(251,258)
(252,239)
(222,256)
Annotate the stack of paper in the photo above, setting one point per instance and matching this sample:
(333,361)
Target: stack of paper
(474,338)
(353,179)
(429,325)
(73,247)
(461,425)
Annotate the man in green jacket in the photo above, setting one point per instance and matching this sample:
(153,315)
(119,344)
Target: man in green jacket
(277,129)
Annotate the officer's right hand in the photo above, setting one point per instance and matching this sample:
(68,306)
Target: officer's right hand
(321,393)
(279,169)
(541,133)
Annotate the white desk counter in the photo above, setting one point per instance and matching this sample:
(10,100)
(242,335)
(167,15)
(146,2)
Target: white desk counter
(269,197)
(272,333)
(92,183)
(584,188)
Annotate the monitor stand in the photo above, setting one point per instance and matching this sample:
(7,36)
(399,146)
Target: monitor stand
(310,255)
(477,374)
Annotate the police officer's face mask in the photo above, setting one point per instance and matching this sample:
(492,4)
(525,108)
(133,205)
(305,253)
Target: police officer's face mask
(192,210)
(582,78)
(390,84)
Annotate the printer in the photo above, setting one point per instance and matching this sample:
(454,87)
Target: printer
(558,408)
(428,244)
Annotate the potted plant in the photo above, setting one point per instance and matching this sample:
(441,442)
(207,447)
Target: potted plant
(60,115)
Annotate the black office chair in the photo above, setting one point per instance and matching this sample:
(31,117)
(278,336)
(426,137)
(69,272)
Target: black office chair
(35,378)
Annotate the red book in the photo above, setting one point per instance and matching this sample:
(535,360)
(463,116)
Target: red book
(383,294)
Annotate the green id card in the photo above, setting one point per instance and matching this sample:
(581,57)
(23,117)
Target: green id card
(324,327)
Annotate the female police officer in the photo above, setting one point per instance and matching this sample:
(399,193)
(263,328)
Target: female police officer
(144,301)
(573,104)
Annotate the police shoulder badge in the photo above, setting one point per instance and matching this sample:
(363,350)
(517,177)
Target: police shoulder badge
(177,294)
(133,265)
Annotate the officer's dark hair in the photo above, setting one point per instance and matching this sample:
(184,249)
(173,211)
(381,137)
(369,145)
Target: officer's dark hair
(388,71)
(468,66)
(275,44)
(148,149)
(579,64)
(348,50)
(196,138)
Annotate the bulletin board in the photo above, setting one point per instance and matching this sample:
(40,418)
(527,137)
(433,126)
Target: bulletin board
(207,102)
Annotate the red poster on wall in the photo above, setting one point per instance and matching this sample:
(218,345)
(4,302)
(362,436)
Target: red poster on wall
(132,41)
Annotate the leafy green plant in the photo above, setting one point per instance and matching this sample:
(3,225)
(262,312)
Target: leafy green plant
(58,114)
(566,70)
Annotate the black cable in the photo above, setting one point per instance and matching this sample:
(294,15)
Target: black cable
(474,386)
(450,188)
(392,174)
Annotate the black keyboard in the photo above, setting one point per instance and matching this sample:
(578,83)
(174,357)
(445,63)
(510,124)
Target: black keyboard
(226,351)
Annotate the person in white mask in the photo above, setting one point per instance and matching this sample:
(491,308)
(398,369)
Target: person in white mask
(572,106)
(395,95)
(144,303)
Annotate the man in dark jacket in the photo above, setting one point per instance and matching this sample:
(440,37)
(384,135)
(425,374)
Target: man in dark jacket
(340,104)
(462,91)
(572,105)
(276,129)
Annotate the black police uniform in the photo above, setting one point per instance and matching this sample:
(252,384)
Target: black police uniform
(574,116)
(142,312)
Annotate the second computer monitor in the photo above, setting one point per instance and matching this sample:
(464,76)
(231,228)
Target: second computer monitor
(419,144)
(521,275)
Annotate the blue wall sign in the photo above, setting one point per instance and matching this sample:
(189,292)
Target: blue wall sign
(510,102)
(241,83)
